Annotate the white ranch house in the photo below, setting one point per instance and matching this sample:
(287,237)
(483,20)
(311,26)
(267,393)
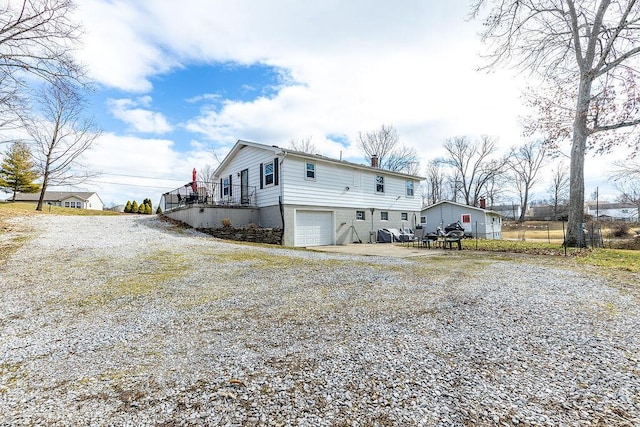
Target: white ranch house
(68,199)
(612,211)
(483,223)
(316,200)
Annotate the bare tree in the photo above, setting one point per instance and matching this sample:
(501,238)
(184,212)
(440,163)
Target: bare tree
(525,163)
(60,133)
(559,188)
(435,182)
(453,186)
(36,39)
(207,173)
(475,165)
(303,145)
(383,143)
(586,53)
(629,192)
(495,189)
(626,170)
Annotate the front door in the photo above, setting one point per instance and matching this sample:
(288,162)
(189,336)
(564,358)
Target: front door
(244,187)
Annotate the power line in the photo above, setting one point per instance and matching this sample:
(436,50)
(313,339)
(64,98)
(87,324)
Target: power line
(143,177)
(128,185)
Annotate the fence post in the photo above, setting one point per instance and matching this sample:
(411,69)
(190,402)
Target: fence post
(476,235)
(548,235)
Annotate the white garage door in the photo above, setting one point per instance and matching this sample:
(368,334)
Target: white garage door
(314,228)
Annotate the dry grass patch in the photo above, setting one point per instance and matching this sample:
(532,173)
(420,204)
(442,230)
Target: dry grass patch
(138,276)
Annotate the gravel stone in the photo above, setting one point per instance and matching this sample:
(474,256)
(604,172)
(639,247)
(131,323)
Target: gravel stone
(127,320)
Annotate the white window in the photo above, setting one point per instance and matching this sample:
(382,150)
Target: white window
(423,220)
(268,173)
(66,204)
(409,188)
(384,216)
(310,170)
(225,187)
(404,216)
(360,215)
(379,184)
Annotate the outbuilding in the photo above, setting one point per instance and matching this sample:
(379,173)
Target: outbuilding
(483,223)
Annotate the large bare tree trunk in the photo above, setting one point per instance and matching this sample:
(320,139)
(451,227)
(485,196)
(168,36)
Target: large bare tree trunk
(575,235)
(575,46)
(525,203)
(45,183)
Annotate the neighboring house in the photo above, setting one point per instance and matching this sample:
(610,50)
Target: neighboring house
(510,212)
(547,213)
(486,224)
(317,200)
(612,211)
(67,199)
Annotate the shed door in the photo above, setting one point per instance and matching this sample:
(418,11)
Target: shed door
(314,228)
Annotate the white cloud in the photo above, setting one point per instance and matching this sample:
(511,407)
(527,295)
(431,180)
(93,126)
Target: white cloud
(410,63)
(346,67)
(135,168)
(140,120)
(203,97)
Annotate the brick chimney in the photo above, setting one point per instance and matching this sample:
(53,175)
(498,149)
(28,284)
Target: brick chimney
(483,203)
(374,161)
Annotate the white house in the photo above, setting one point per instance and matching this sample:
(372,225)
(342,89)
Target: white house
(612,211)
(483,223)
(509,212)
(67,199)
(317,200)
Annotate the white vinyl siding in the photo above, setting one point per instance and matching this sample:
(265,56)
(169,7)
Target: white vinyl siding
(338,186)
(250,158)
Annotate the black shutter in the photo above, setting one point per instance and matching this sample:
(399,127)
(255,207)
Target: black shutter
(261,176)
(221,188)
(275,171)
(230,186)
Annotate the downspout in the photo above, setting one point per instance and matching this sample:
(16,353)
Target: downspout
(281,198)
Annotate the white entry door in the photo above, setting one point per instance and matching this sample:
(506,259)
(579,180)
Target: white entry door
(314,228)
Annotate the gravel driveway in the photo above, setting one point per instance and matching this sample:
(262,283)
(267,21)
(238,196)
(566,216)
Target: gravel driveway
(127,321)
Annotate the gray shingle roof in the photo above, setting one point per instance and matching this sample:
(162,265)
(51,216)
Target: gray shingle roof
(53,196)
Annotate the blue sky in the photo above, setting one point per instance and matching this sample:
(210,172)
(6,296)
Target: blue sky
(180,95)
(176,84)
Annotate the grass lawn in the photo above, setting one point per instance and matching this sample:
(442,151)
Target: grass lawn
(10,209)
